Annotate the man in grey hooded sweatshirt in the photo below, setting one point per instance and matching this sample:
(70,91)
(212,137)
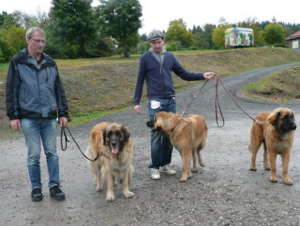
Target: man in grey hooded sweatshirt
(156,68)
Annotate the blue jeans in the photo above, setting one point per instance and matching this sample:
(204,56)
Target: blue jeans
(161,147)
(35,132)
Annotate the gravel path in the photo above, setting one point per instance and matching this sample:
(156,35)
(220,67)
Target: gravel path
(224,192)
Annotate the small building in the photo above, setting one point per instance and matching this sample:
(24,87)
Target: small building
(294,41)
(239,37)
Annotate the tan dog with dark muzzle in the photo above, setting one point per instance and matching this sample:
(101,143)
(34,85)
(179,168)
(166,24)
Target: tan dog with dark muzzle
(275,130)
(112,142)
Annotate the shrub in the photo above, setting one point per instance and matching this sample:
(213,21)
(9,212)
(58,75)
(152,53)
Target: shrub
(7,51)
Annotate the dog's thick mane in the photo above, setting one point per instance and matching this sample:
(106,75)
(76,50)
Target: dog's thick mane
(284,135)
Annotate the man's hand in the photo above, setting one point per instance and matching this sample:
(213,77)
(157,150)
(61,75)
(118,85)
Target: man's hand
(63,121)
(209,75)
(15,124)
(138,109)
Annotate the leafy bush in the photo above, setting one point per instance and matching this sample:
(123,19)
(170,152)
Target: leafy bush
(173,46)
(7,51)
(143,47)
(192,48)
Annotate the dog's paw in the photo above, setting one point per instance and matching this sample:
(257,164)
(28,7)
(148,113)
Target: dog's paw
(183,179)
(267,168)
(253,169)
(128,194)
(273,180)
(194,170)
(110,197)
(288,182)
(99,188)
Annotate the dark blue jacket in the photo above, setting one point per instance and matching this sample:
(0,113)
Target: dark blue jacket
(159,77)
(32,90)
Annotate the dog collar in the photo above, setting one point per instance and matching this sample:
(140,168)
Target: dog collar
(179,120)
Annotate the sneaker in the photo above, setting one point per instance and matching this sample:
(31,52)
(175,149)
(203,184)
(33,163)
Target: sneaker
(166,169)
(36,195)
(155,175)
(56,193)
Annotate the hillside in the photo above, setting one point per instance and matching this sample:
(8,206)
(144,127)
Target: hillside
(107,84)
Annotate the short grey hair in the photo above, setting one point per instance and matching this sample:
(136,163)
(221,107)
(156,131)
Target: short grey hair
(31,30)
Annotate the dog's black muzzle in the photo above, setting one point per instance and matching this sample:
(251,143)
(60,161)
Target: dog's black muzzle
(293,126)
(150,124)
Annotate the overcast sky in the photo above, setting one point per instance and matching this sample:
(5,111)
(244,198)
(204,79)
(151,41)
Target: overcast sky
(157,14)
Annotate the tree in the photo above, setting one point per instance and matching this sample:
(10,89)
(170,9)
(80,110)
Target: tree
(203,38)
(24,20)
(21,19)
(2,19)
(218,36)
(177,32)
(196,29)
(72,24)
(200,41)
(143,38)
(7,51)
(15,37)
(7,20)
(273,33)
(120,20)
(41,17)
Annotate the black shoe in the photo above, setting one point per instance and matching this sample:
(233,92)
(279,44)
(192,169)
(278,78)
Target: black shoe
(56,193)
(36,195)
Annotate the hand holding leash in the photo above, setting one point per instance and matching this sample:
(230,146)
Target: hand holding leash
(209,75)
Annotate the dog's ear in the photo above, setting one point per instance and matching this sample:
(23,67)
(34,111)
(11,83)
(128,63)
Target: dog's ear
(273,118)
(104,135)
(293,115)
(126,133)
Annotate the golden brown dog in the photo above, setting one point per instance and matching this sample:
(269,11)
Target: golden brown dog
(187,134)
(112,142)
(276,131)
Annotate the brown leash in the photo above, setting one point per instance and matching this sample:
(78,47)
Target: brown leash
(195,96)
(64,147)
(218,111)
(217,105)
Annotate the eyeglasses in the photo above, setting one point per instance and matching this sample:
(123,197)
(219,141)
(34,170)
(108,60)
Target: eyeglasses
(39,40)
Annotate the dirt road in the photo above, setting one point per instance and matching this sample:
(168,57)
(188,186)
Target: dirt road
(224,192)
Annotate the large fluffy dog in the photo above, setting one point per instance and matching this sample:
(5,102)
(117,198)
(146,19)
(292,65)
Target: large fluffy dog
(112,142)
(276,131)
(187,134)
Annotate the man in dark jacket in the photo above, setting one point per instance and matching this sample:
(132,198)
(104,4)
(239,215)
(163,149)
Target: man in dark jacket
(156,68)
(35,98)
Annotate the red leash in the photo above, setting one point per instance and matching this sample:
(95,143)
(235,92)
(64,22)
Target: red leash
(195,96)
(217,105)
(218,110)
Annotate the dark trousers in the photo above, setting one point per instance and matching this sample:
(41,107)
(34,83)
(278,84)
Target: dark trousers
(161,147)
